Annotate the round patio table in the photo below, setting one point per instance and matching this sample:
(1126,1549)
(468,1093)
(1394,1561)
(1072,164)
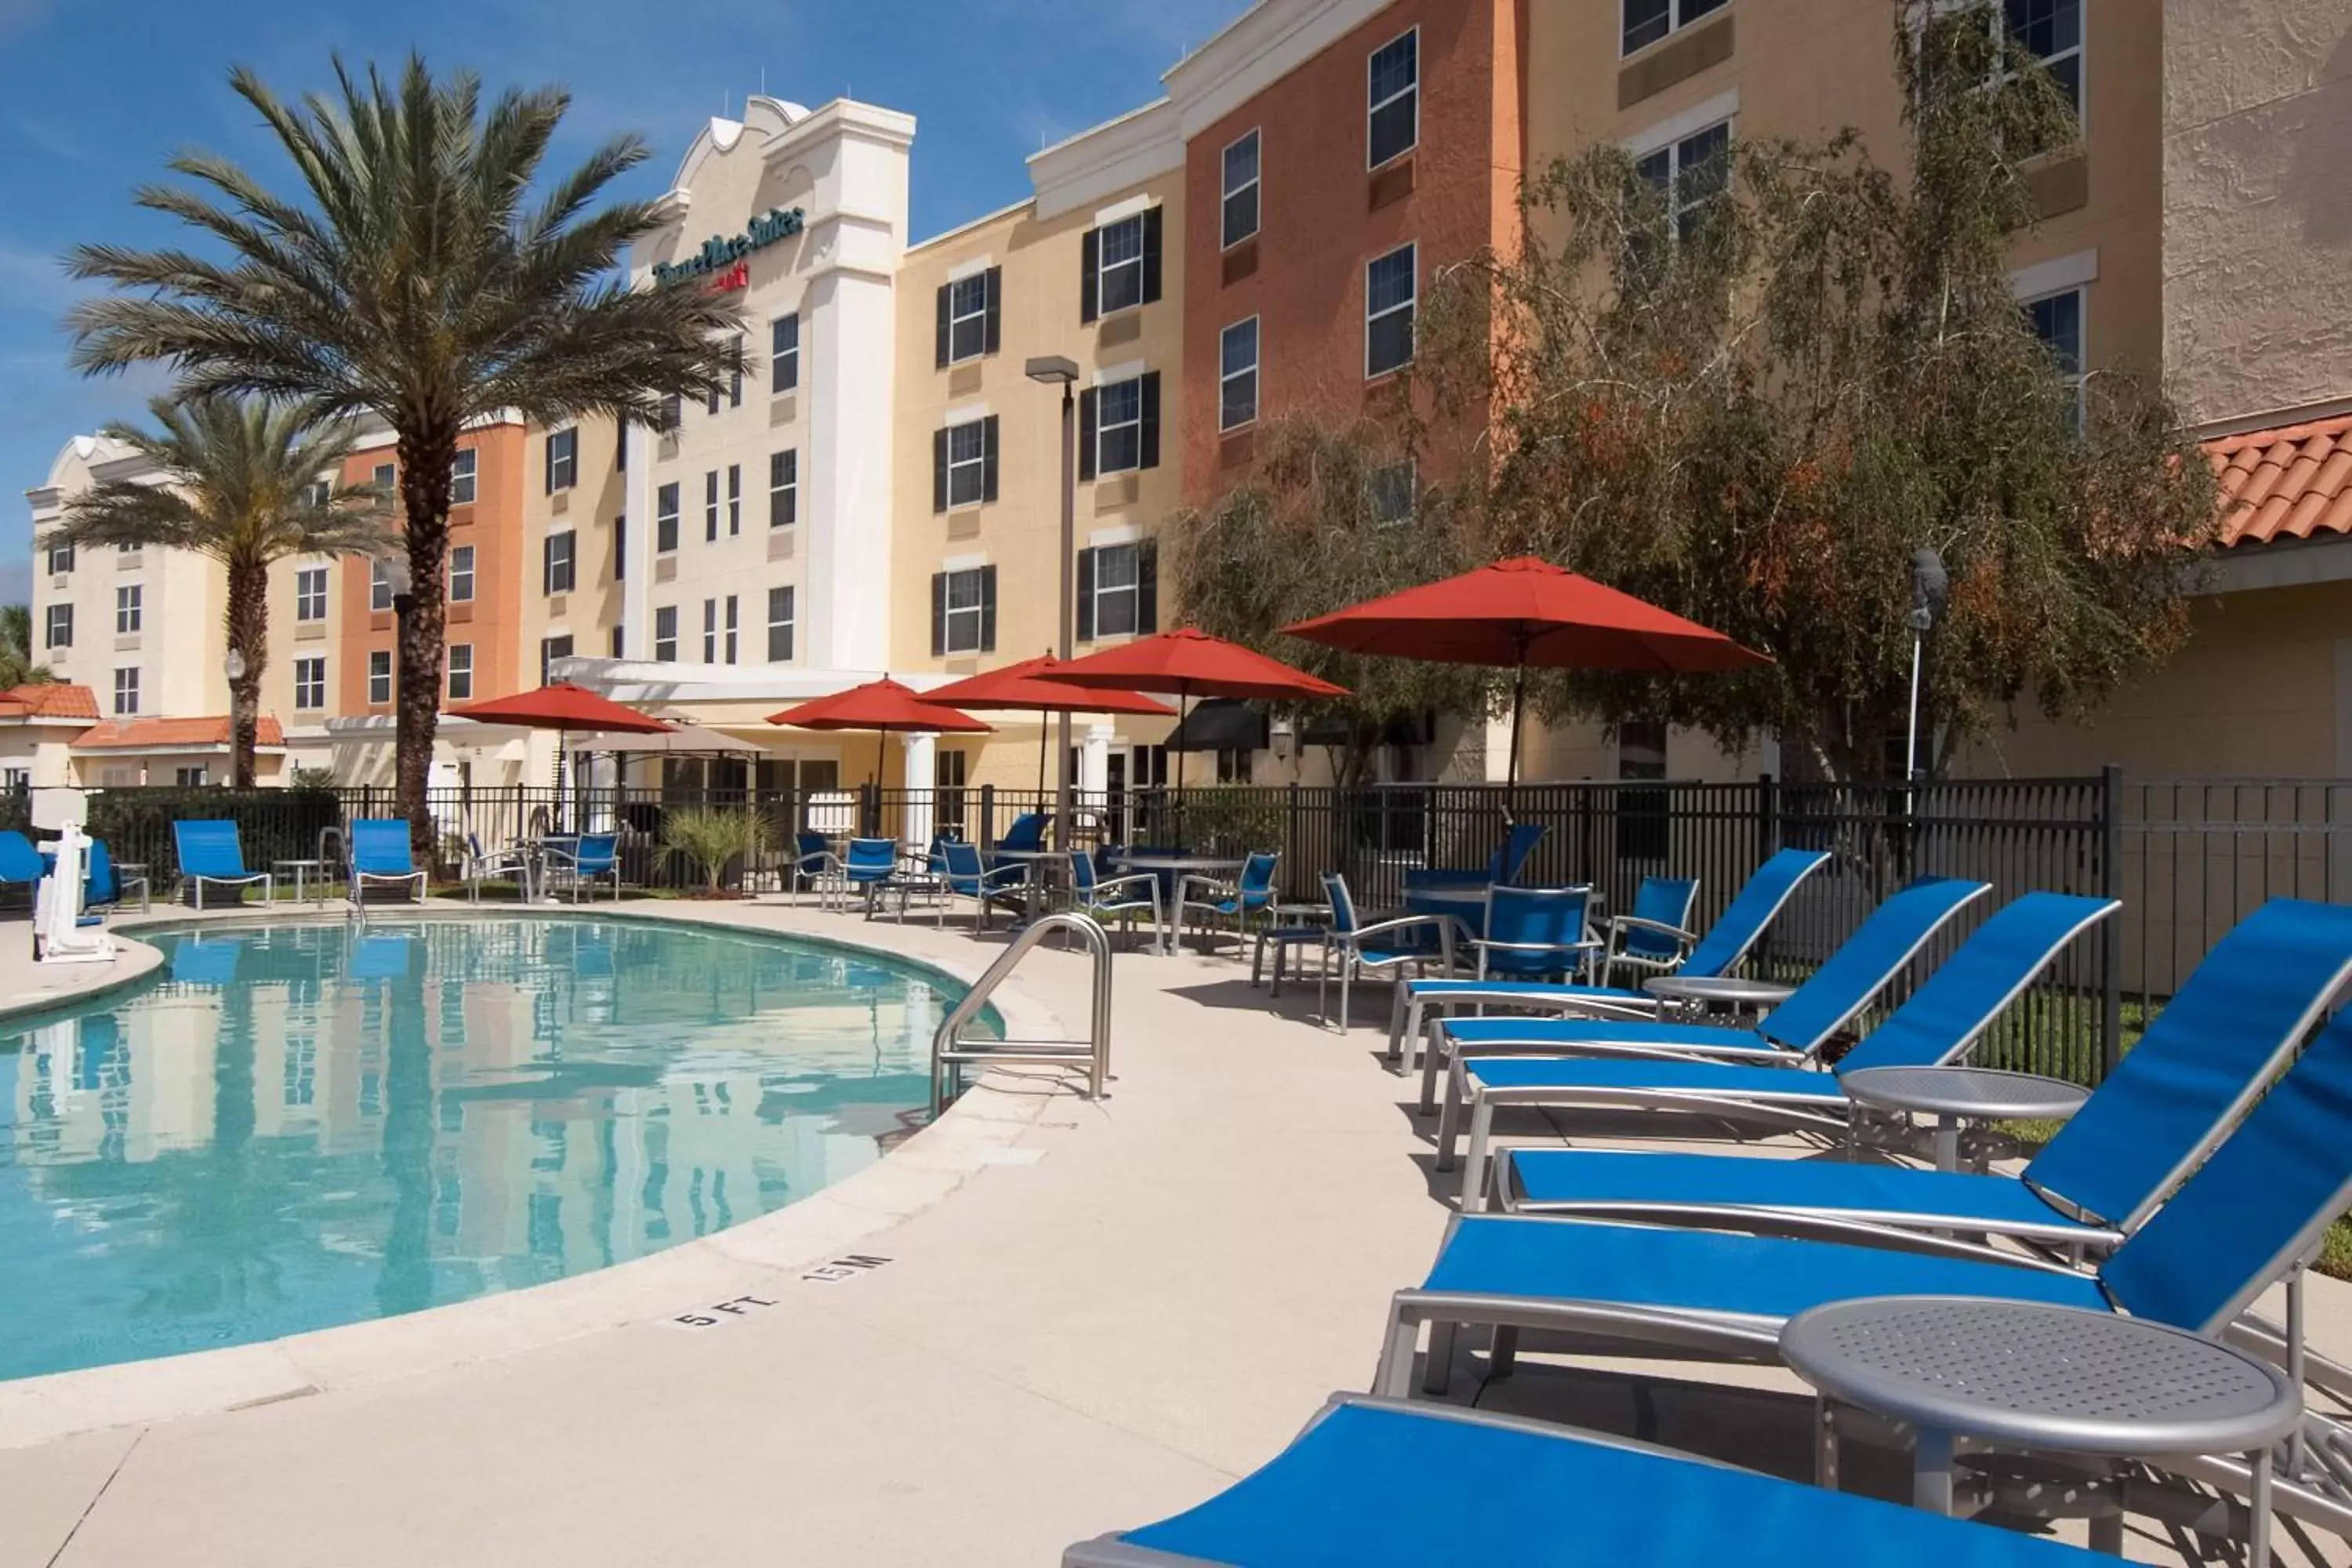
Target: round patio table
(1953,1095)
(2041,1377)
(1719,991)
(1182,866)
(1036,861)
(304,871)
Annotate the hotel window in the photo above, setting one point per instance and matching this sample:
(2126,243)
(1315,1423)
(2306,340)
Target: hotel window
(317,495)
(666,519)
(665,635)
(379,677)
(309,684)
(461,575)
(1688,174)
(783,487)
(558,571)
(1391,491)
(963,611)
(563,460)
(963,464)
(2051,32)
(730,626)
(1393,96)
(710,505)
(1647,21)
(310,594)
(1118,590)
(60,631)
(784,354)
(780,626)
(1237,374)
(969,321)
(1388,312)
(1119,426)
(386,478)
(461,671)
(735,376)
(61,559)
(620,547)
(379,584)
(1118,265)
(2057,320)
(673,414)
(620,642)
(710,631)
(128,608)
(1240,187)
(461,478)
(549,650)
(126,692)
(734,499)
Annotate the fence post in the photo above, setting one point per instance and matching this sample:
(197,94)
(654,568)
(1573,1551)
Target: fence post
(1290,832)
(1767,819)
(2111,931)
(987,816)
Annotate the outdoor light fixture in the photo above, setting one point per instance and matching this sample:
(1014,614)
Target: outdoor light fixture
(1054,370)
(1060,370)
(1931,586)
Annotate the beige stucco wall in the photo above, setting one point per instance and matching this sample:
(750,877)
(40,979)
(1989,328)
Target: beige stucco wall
(2258,219)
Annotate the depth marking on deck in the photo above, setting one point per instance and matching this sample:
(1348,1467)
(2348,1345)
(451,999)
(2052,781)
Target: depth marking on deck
(718,1313)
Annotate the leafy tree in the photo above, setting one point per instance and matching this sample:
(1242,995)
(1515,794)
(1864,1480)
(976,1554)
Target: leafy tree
(1750,394)
(1308,531)
(423,272)
(251,482)
(17,666)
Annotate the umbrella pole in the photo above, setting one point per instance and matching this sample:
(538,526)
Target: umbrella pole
(1043,717)
(1518,705)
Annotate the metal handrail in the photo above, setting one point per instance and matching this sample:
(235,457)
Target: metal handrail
(951,1050)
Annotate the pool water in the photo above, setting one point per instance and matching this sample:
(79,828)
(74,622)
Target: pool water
(298,1126)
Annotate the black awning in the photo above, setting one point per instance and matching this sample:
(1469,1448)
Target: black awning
(1220,724)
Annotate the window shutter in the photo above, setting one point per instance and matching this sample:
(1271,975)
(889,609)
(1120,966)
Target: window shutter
(939,470)
(1147,586)
(988,609)
(938,614)
(1149,436)
(1150,254)
(992,328)
(1086,434)
(988,461)
(1089,266)
(943,356)
(1086,595)
(547,564)
(550,464)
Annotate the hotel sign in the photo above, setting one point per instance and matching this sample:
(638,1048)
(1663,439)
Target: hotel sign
(722,260)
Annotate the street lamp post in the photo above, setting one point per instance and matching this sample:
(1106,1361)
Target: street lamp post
(1059,369)
(1929,588)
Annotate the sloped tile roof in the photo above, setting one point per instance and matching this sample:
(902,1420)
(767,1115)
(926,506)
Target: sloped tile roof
(50,700)
(157,734)
(2291,482)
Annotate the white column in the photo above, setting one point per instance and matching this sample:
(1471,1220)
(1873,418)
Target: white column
(1094,771)
(920,747)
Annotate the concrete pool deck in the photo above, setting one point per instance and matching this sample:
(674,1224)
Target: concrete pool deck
(1085,1315)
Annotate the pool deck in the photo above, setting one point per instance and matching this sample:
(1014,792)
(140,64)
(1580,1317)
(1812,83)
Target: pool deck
(1071,1317)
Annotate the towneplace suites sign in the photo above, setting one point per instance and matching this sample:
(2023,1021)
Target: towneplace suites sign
(724,260)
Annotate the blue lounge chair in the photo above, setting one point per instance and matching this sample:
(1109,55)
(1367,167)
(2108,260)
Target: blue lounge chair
(1509,860)
(1938,1023)
(582,860)
(1003,888)
(209,851)
(1250,894)
(1534,933)
(868,867)
(1864,964)
(1492,1489)
(1026,834)
(2218,1042)
(1354,949)
(1656,936)
(20,863)
(103,887)
(1723,947)
(1114,898)
(380,855)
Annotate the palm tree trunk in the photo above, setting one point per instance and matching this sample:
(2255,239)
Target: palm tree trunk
(426,457)
(246,626)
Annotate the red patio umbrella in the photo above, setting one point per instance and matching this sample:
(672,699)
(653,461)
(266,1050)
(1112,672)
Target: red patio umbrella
(565,708)
(882,706)
(1527,612)
(1189,662)
(1032,683)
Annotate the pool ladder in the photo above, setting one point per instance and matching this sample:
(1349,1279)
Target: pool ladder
(952,1048)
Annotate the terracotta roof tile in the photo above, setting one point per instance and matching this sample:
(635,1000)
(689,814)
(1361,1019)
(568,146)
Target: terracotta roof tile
(51,699)
(2286,483)
(151,734)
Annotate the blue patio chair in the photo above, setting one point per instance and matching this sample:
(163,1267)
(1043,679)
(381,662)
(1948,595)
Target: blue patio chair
(1114,898)
(868,867)
(380,855)
(1026,834)
(582,860)
(103,887)
(1509,859)
(1356,949)
(1251,893)
(1723,947)
(1489,1489)
(20,863)
(512,862)
(968,878)
(2220,1039)
(1534,933)
(1655,935)
(1939,1023)
(1848,981)
(210,851)
(816,867)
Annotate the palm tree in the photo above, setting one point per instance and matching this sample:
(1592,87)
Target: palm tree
(251,482)
(17,666)
(414,277)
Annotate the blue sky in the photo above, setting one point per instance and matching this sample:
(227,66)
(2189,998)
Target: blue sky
(94,98)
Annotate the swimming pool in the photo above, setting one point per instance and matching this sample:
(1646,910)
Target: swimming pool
(296,1126)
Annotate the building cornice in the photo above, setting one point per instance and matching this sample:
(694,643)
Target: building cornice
(1257,49)
(1117,155)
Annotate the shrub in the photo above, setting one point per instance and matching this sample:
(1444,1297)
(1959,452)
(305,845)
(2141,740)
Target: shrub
(711,838)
